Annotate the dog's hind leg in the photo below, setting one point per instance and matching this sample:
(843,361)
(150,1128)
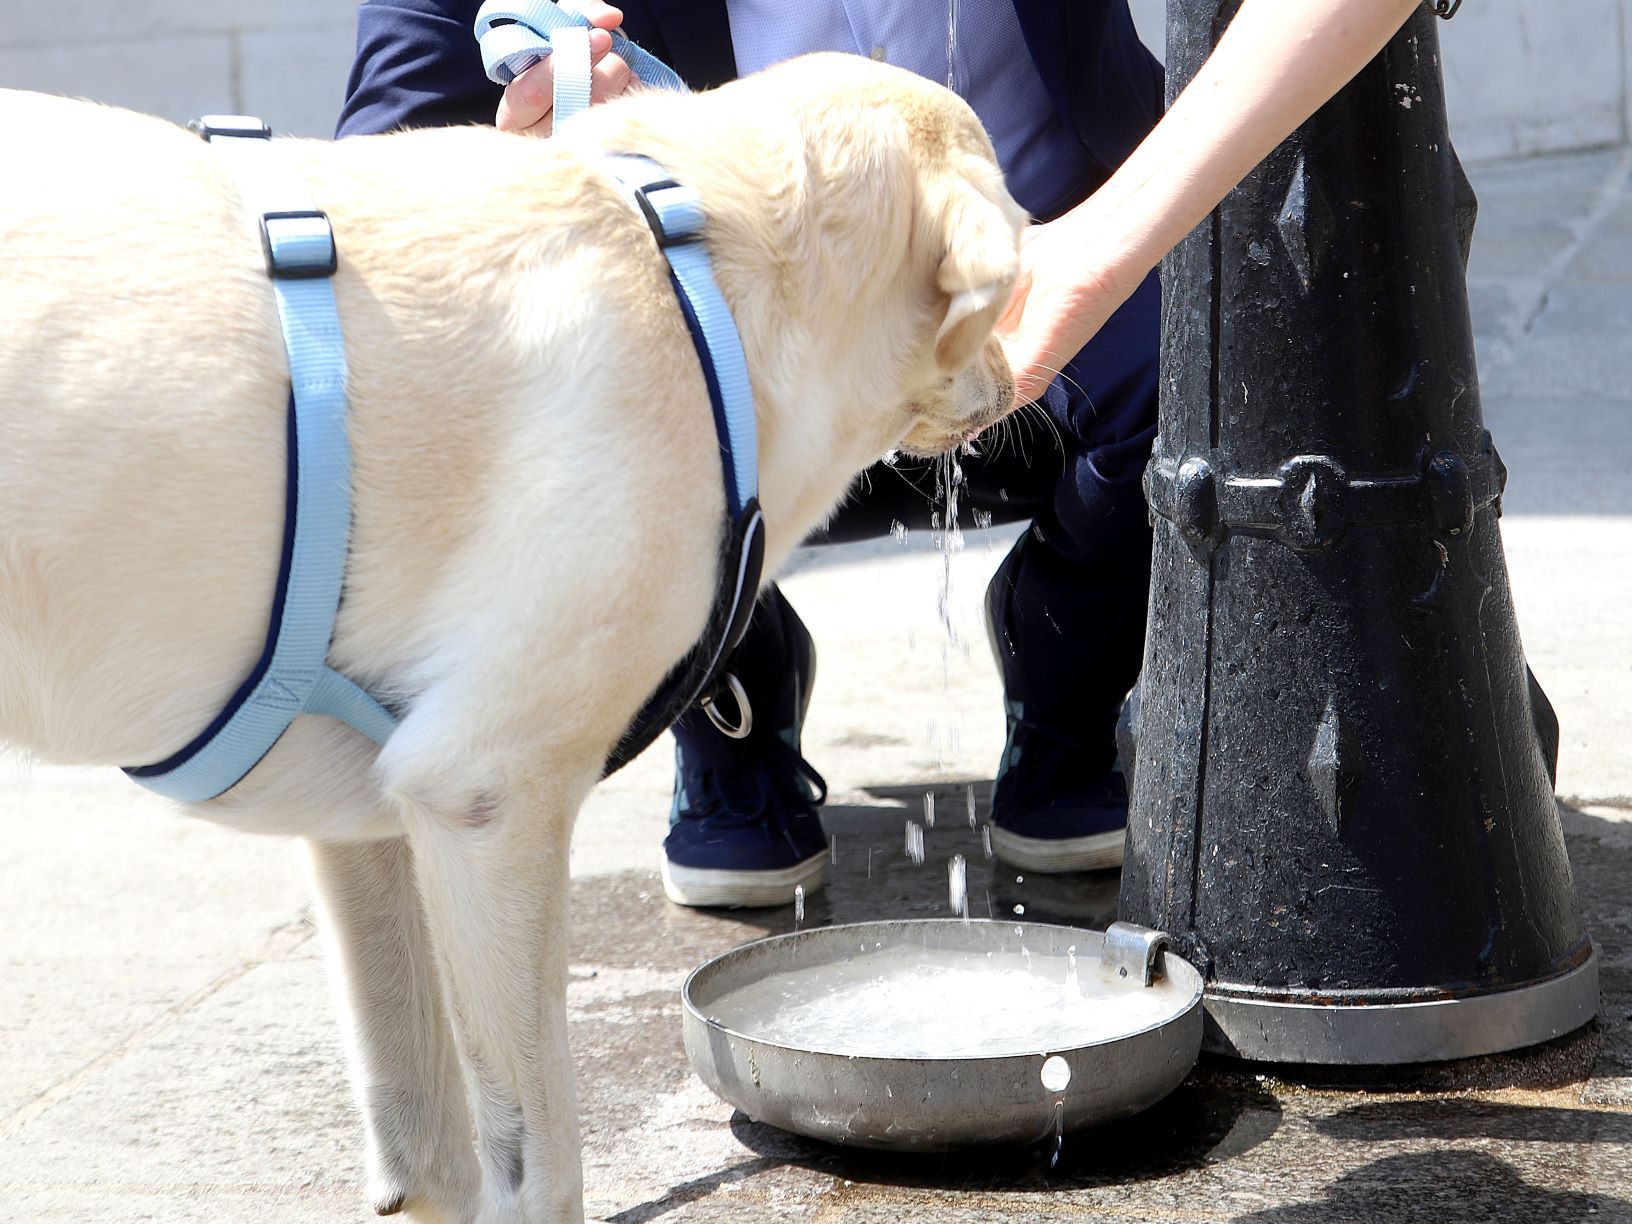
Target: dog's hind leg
(493,874)
(404,1065)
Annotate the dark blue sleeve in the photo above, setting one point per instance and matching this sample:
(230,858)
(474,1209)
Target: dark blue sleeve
(1116,84)
(417,65)
(1100,76)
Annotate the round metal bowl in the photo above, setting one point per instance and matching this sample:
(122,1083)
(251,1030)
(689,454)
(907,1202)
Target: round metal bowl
(917,1103)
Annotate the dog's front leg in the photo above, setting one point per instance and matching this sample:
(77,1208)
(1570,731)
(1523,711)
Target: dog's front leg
(494,878)
(404,1065)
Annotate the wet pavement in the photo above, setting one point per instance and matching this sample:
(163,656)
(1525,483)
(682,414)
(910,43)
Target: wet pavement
(168,1050)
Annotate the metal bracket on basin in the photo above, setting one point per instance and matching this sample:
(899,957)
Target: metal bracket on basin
(1133,953)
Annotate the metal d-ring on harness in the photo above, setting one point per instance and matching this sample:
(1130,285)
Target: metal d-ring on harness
(513,37)
(292,676)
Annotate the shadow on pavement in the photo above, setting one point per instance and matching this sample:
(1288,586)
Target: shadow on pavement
(1212,1116)
(1448,1187)
(1460,1118)
(689,1192)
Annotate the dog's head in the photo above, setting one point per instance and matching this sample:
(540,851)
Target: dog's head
(861,232)
(910,234)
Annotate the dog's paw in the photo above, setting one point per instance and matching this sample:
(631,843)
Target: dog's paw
(417,1209)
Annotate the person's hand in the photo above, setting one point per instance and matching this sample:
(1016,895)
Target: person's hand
(529,99)
(1064,294)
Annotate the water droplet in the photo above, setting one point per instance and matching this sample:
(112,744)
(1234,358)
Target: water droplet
(969,804)
(915,842)
(1019,909)
(892,457)
(1059,1133)
(986,840)
(957,893)
(929,809)
(869,862)
(898,529)
(1056,1074)
(798,906)
(1019,879)
(1072,983)
(983,519)
(833,850)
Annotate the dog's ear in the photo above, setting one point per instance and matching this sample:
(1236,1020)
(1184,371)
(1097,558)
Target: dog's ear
(978,265)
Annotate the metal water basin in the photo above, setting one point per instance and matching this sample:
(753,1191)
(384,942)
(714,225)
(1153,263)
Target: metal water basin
(931,1034)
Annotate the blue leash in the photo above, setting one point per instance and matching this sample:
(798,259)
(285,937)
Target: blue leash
(515,36)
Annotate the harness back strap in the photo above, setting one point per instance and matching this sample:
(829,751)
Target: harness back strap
(292,675)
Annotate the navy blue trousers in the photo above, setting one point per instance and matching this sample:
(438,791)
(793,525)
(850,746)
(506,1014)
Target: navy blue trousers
(1071,595)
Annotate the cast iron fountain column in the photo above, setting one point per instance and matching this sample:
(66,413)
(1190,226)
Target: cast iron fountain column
(1342,802)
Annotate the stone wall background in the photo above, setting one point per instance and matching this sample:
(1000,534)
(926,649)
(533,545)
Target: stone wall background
(1522,76)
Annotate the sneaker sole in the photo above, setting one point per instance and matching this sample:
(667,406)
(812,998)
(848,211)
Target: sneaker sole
(1048,855)
(715,888)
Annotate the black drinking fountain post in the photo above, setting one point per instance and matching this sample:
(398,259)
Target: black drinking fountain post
(1342,804)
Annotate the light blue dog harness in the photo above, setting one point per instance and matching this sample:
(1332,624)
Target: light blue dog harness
(292,676)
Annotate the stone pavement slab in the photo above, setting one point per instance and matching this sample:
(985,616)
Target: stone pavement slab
(168,1051)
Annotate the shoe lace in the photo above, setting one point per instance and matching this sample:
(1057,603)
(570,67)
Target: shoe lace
(743,793)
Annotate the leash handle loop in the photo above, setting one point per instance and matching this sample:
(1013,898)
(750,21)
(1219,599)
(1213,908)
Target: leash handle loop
(516,34)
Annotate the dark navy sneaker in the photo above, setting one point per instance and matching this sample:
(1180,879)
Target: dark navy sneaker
(1049,814)
(745,830)
(1059,802)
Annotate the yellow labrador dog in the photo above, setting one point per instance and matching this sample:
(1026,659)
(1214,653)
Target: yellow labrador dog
(538,505)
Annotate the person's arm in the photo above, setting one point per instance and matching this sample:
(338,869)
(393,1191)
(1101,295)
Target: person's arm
(416,66)
(1275,66)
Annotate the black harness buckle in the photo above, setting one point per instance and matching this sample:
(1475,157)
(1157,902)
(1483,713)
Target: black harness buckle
(654,218)
(307,264)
